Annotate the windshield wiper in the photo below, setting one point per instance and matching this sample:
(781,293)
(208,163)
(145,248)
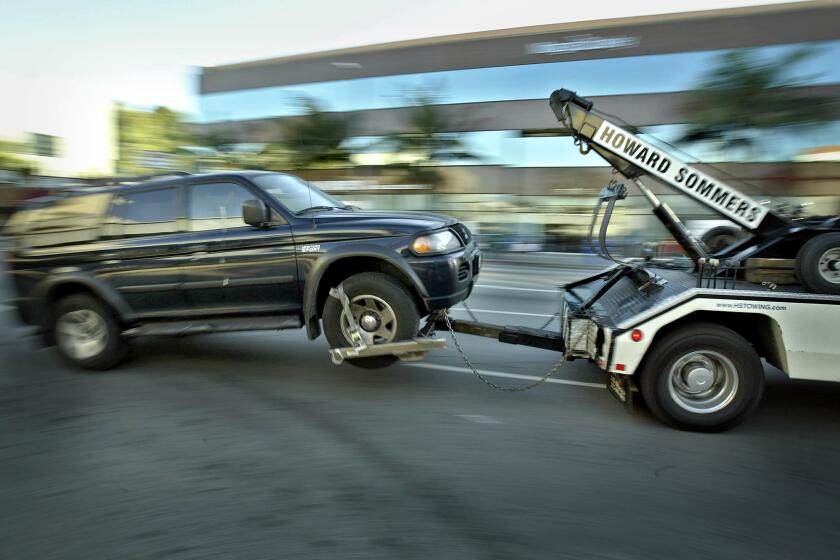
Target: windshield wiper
(311,208)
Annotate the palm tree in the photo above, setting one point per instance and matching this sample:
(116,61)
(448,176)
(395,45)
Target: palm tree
(313,139)
(424,140)
(745,95)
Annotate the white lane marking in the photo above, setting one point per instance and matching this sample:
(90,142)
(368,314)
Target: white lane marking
(479,418)
(496,287)
(501,312)
(489,373)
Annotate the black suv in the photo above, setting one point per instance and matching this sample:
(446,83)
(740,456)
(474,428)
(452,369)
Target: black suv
(236,251)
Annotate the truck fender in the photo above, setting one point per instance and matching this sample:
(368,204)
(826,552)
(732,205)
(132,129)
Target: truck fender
(96,286)
(325,260)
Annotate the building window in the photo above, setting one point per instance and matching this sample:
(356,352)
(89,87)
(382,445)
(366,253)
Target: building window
(43,145)
(657,73)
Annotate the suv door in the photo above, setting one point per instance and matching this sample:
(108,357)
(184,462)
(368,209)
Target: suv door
(142,247)
(239,269)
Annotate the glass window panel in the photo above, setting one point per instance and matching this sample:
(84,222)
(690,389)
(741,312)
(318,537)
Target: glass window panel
(143,213)
(293,193)
(606,76)
(217,206)
(75,219)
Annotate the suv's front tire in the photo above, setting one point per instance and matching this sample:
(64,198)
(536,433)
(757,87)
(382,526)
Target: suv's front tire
(87,333)
(381,305)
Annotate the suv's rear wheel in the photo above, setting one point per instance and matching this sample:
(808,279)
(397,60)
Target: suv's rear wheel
(382,307)
(87,333)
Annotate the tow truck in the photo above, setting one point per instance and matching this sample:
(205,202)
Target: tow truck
(689,339)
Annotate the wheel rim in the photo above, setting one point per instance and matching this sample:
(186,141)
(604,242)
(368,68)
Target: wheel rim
(81,334)
(829,265)
(375,318)
(703,382)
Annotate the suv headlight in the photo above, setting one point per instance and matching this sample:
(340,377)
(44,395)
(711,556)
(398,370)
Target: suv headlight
(436,243)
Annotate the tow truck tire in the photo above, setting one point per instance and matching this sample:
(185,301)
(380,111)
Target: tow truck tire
(720,237)
(818,264)
(702,377)
(386,297)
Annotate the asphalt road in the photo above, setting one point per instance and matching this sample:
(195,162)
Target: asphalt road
(254,445)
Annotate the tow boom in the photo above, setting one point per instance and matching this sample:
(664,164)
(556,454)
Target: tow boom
(634,157)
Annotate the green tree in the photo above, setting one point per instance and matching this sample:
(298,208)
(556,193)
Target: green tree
(312,140)
(745,95)
(10,157)
(220,141)
(425,140)
(149,140)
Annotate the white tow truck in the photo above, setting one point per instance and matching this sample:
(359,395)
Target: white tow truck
(692,338)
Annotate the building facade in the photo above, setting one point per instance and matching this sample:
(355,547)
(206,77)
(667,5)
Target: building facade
(491,88)
(58,127)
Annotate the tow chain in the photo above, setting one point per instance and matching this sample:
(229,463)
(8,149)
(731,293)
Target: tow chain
(554,369)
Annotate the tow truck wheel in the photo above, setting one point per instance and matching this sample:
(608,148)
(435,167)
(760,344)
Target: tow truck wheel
(702,377)
(382,308)
(720,237)
(818,264)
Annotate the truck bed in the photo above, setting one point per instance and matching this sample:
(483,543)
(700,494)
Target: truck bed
(624,304)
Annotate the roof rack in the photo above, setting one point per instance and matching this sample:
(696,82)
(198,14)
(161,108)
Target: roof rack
(111,181)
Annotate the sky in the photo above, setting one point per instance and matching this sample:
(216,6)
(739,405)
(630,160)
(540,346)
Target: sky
(146,52)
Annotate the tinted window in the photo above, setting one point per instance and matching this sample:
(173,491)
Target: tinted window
(293,193)
(75,219)
(143,213)
(217,206)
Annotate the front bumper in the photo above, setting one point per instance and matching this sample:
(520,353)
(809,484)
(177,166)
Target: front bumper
(448,279)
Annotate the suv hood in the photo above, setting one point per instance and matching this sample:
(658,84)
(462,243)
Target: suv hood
(395,223)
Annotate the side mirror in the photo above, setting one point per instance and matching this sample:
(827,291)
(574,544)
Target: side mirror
(256,213)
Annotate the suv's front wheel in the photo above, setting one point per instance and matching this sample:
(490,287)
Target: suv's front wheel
(87,333)
(381,307)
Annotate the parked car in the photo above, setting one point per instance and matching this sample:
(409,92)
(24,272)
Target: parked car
(227,252)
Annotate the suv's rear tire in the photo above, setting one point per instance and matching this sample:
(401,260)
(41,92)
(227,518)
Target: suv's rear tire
(385,301)
(682,364)
(818,264)
(87,333)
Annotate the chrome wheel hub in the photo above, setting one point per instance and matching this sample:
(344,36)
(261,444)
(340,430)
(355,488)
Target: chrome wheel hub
(375,318)
(699,379)
(81,334)
(829,265)
(369,321)
(703,382)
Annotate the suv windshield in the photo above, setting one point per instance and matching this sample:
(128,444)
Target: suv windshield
(295,194)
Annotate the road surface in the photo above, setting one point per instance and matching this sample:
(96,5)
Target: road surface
(254,445)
